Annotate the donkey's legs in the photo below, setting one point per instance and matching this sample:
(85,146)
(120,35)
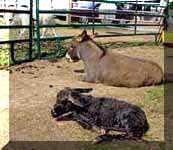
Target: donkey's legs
(54,31)
(47,20)
(90,75)
(44,31)
(22,34)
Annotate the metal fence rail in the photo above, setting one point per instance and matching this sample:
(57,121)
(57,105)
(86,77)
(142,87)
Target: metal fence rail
(93,12)
(36,28)
(141,2)
(14,11)
(70,11)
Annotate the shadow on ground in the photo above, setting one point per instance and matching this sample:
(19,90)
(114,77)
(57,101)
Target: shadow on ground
(146,145)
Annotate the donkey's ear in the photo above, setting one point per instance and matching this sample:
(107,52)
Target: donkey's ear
(83,90)
(84,36)
(74,97)
(84,33)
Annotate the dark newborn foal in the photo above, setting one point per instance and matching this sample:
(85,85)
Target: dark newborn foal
(101,113)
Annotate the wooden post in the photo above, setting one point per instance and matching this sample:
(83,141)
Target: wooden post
(168,88)
(168,42)
(68,17)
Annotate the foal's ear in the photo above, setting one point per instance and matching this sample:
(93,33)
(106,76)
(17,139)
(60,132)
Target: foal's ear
(82,90)
(74,97)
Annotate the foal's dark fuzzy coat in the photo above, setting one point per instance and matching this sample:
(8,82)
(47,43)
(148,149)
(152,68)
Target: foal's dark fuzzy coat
(102,113)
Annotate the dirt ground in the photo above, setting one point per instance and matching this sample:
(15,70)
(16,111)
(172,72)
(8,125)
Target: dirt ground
(4,107)
(34,85)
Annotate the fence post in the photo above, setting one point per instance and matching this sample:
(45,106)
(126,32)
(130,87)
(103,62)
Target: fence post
(68,19)
(168,92)
(12,52)
(136,7)
(93,15)
(38,29)
(30,30)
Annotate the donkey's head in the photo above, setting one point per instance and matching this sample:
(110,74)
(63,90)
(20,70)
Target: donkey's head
(74,50)
(76,41)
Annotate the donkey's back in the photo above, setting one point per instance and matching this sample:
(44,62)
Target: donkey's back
(120,70)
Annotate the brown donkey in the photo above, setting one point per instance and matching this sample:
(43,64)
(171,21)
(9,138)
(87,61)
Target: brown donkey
(113,68)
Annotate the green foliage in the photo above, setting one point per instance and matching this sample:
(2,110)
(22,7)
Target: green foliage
(61,50)
(153,100)
(171,5)
(4,56)
(1,21)
(53,49)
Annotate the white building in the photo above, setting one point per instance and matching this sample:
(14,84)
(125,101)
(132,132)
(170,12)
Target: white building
(13,4)
(65,4)
(23,4)
(2,4)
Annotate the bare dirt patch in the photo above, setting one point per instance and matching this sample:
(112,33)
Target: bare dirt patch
(33,89)
(4,105)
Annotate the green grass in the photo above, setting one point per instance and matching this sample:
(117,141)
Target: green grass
(154,100)
(1,21)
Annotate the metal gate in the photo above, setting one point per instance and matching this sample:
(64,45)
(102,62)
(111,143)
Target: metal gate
(35,27)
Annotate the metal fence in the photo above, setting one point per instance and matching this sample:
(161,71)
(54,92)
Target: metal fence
(29,27)
(35,28)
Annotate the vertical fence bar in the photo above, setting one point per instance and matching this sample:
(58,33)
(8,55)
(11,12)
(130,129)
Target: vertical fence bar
(38,29)
(30,30)
(136,7)
(12,52)
(93,16)
(68,16)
